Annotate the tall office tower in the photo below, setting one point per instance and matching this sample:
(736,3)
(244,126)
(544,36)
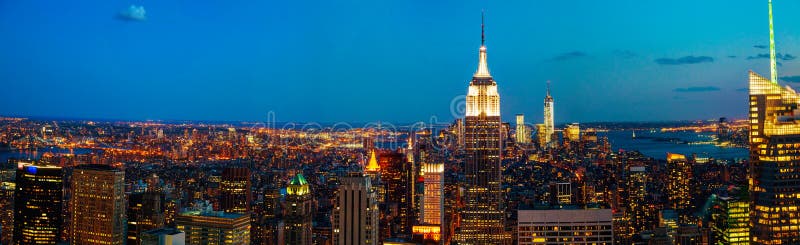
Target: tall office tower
(774,140)
(433,201)
(38,204)
(523,136)
(355,214)
(97,206)
(236,195)
(483,215)
(730,217)
(679,182)
(298,212)
(7,212)
(397,177)
(549,122)
(573,133)
(430,230)
(582,226)
(203,225)
(144,213)
(638,213)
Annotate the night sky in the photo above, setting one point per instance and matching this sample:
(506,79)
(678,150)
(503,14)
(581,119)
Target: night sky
(397,61)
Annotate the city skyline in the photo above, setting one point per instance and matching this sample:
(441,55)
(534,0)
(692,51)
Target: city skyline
(591,79)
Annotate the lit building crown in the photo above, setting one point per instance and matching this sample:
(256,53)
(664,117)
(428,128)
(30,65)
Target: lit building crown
(298,186)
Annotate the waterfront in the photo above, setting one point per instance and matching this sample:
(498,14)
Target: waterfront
(656,144)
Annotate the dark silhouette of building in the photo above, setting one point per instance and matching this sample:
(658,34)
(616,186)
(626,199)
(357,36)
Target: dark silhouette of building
(38,204)
(236,195)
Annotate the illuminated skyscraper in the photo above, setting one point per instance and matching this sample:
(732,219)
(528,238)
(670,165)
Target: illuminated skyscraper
(298,212)
(679,182)
(549,122)
(523,136)
(355,214)
(433,202)
(236,195)
(7,211)
(97,205)
(483,215)
(774,146)
(38,204)
(637,212)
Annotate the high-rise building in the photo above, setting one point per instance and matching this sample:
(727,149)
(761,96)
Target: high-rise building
(97,206)
(38,204)
(144,214)
(430,230)
(483,215)
(730,217)
(679,185)
(298,212)
(774,143)
(203,225)
(549,122)
(565,226)
(523,135)
(236,195)
(637,213)
(7,212)
(433,200)
(355,214)
(397,178)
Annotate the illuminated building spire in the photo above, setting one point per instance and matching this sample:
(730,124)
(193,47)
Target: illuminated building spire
(772,63)
(372,165)
(483,66)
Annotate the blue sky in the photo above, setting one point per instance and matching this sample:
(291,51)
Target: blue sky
(398,61)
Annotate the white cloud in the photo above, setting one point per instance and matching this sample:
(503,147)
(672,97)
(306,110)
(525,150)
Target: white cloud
(133,13)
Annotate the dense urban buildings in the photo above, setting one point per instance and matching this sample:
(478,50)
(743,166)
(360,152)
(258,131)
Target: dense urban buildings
(472,180)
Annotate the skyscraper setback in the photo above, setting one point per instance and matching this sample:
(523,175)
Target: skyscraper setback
(774,144)
(483,214)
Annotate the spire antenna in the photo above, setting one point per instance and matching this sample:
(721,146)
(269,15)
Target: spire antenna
(772,63)
(548,87)
(483,36)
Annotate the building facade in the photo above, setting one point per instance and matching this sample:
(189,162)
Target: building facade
(562,226)
(204,226)
(235,190)
(97,206)
(355,214)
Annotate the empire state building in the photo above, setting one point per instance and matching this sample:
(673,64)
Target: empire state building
(482,218)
